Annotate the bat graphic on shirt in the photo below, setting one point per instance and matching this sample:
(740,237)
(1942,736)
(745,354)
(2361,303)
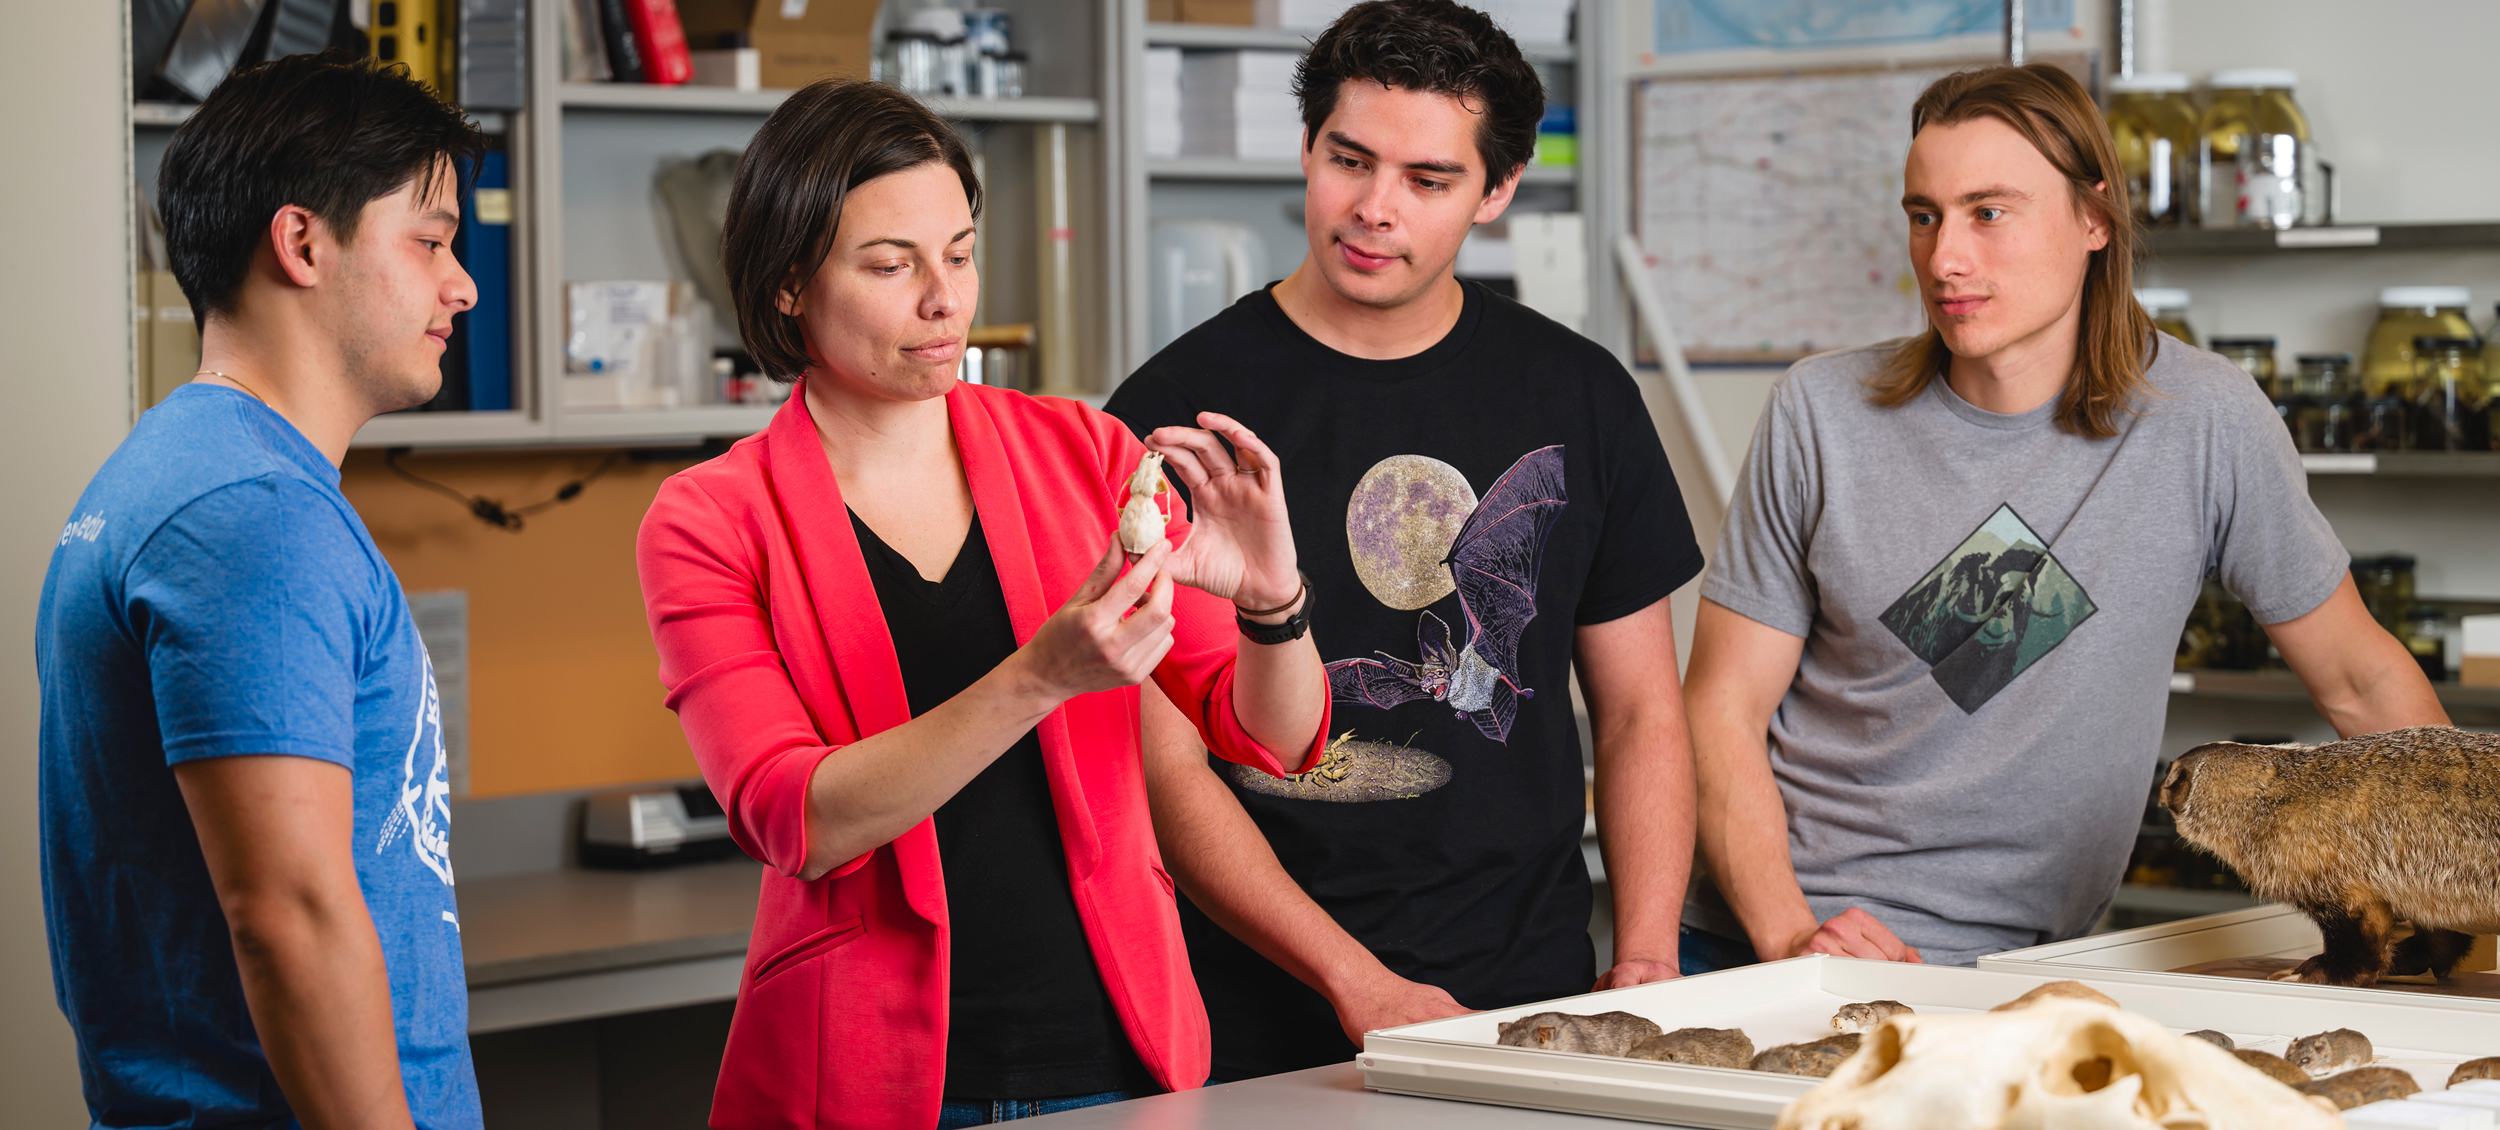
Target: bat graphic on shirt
(1494,560)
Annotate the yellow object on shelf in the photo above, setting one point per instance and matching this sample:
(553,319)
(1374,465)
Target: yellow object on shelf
(2406,313)
(2153,119)
(410,32)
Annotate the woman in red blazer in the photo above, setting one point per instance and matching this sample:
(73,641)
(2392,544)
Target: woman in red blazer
(964,916)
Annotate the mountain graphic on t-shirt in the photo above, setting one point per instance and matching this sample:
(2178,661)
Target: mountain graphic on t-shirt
(1989,610)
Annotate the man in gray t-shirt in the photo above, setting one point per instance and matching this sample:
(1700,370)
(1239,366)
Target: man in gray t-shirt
(1932,664)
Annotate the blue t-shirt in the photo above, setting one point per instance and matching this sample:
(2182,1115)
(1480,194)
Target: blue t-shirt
(214,594)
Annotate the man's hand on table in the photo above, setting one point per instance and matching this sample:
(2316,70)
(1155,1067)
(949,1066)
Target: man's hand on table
(1636,971)
(1852,933)
(1388,1001)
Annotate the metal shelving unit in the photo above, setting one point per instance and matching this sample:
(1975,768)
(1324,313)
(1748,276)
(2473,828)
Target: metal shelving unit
(2283,686)
(2342,237)
(1222,37)
(2406,464)
(722,100)
(1228,169)
(1146,178)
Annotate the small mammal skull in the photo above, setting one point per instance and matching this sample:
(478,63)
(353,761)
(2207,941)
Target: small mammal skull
(2055,990)
(1815,1060)
(1698,1047)
(2274,1067)
(2487,1067)
(1864,1017)
(2329,1052)
(1141,521)
(2217,1039)
(1607,1033)
(2062,1064)
(2362,1086)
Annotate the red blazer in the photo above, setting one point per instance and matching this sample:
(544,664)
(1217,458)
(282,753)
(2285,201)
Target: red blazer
(775,654)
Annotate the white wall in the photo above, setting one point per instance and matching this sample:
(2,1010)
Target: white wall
(65,353)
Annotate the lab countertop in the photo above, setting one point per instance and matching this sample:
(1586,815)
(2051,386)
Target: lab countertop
(1321,1096)
(569,923)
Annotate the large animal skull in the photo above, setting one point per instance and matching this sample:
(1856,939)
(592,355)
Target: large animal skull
(2056,1065)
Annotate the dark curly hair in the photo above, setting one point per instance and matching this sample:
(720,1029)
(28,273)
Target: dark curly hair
(825,140)
(1434,46)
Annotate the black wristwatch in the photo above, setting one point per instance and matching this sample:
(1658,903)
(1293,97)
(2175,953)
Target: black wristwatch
(1295,626)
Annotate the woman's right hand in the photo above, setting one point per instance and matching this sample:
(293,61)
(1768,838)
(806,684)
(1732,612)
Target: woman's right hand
(1111,633)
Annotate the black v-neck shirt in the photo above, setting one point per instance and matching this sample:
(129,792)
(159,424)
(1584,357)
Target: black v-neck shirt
(1028,1015)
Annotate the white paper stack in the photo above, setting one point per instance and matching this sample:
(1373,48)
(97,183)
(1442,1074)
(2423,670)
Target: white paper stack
(1163,101)
(1552,265)
(1239,104)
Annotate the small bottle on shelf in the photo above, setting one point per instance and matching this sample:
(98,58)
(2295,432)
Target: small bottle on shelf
(2153,119)
(2255,356)
(2426,636)
(2450,401)
(2327,406)
(2168,307)
(2386,587)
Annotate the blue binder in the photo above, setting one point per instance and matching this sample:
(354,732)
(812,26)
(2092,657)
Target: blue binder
(484,245)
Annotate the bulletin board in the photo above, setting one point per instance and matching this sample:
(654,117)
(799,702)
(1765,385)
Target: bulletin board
(563,681)
(1770,205)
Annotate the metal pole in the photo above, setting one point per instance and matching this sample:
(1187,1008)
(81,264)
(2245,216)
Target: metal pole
(1633,262)
(1058,346)
(2014,15)
(2126,38)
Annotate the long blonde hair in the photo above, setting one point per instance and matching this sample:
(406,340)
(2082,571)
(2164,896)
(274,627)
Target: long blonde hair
(2051,110)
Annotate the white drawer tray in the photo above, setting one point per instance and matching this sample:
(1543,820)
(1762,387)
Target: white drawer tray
(1791,1001)
(2147,955)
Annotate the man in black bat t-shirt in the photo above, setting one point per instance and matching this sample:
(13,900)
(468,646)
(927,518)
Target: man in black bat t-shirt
(1480,498)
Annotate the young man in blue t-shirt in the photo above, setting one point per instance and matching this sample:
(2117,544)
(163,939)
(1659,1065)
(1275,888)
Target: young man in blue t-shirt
(245,828)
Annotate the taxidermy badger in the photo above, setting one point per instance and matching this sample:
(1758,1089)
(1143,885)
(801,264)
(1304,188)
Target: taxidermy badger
(2358,834)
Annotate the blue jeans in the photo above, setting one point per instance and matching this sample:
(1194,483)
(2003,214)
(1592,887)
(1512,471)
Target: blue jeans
(1700,951)
(954,1113)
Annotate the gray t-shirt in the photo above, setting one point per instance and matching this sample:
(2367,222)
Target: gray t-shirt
(1990,605)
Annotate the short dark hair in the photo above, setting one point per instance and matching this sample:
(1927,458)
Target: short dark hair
(825,140)
(1434,46)
(330,133)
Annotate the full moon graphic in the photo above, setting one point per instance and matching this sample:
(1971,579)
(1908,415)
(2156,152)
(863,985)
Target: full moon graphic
(1399,523)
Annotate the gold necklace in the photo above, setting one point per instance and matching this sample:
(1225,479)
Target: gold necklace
(238,383)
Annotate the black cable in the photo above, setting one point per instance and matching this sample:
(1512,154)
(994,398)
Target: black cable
(488,510)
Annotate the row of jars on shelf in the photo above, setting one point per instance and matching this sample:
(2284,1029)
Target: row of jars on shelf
(2427,381)
(2222,635)
(2243,158)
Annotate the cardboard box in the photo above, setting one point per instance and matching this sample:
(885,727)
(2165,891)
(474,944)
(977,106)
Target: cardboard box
(796,41)
(2480,642)
(1238,13)
(174,340)
(1163,11)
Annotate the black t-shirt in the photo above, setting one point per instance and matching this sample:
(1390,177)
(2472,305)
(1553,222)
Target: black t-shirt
(1459,512)
(1027,1013)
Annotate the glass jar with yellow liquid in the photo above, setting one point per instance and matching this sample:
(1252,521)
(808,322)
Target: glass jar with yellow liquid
(2168,307)
(2153,119)
(2405,313)
(2449,397)
(2254,356)
(2252,144)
